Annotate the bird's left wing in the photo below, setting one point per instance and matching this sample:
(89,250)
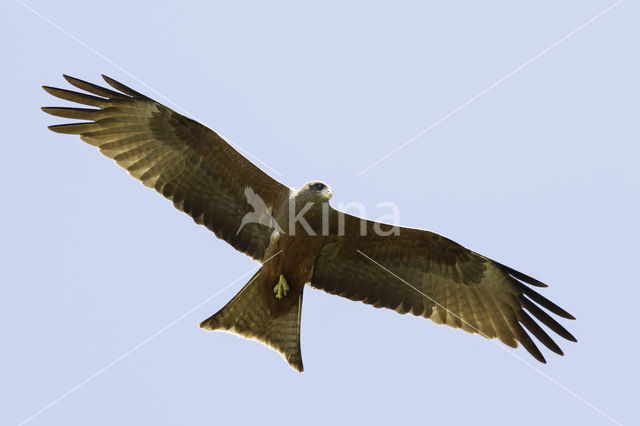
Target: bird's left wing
(180,158)
(425,274)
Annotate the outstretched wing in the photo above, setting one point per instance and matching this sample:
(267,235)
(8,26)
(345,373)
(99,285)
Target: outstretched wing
(183,160)
(425,274)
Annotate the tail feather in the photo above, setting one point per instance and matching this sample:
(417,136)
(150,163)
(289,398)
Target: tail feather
(247,316)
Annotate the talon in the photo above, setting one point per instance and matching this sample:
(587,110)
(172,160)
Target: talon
(282,288)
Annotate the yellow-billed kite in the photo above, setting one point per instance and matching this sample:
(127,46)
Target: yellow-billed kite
(298,237)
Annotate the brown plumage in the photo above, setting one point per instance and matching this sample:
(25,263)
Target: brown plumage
(410,270)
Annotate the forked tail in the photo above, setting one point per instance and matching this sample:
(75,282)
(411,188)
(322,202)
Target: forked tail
(246,315)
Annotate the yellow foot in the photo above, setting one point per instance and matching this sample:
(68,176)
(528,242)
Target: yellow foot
(282,288)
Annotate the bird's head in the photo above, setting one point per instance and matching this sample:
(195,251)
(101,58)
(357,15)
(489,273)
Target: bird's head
(314,192)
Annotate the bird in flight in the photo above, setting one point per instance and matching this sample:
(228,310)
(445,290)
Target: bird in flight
(298,237)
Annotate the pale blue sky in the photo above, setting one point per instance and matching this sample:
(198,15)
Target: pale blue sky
(540,173)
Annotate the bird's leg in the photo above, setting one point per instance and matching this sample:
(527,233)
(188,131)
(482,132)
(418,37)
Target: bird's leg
(282,288)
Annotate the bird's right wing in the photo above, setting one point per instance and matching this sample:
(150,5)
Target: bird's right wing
(182,159)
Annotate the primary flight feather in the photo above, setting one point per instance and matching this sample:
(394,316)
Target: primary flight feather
(299,238)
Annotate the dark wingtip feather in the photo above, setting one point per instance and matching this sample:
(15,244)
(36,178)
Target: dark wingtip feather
(94,88)
(56,128)
(522,277)
(546,319)
(72,128)
(522,337)
(543,301)
(67,112)
(538,332)
(80,98)
(125,89)
(533,350)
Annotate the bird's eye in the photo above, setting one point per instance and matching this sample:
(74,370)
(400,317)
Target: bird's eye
(318,186)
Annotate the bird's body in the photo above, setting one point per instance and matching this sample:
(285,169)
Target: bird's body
(291,254)
(299,238)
